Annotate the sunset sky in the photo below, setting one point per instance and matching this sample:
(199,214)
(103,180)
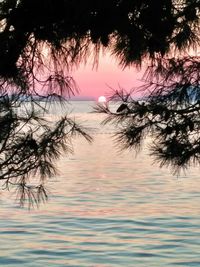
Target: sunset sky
(96,82)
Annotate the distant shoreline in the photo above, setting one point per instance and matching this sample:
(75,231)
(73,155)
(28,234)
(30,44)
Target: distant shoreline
(81,99)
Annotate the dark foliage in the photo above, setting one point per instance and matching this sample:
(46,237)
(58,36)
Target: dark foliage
(30,145)
(40,41)
(133,30)
(170,114)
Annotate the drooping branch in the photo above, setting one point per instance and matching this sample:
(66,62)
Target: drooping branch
(168,112)
(41,41)
(30,145)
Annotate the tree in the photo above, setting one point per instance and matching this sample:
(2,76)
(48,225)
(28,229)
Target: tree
(169,114)
(40,41)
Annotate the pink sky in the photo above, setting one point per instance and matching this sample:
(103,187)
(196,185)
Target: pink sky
(96,82)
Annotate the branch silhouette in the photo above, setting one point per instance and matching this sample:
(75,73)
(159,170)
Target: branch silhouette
(42,41)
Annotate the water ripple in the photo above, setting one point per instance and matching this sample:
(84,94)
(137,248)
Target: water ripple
(107,209)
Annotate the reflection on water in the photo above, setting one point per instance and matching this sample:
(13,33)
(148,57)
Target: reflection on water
(106,209)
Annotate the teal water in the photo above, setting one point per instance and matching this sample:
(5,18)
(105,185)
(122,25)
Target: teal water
(105,209)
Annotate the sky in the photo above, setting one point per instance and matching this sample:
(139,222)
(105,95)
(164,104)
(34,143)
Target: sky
(95,82)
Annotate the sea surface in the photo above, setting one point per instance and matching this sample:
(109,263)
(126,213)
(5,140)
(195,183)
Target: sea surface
(106,208)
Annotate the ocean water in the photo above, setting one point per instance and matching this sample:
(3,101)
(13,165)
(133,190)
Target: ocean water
(106,208)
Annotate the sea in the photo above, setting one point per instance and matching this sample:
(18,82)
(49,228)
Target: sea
(106,208)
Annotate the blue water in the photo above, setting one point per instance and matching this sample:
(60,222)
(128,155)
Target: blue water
(106,208)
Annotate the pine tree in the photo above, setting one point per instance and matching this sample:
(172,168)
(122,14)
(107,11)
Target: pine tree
(40,41)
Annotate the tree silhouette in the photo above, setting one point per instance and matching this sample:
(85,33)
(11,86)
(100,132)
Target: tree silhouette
(40,41)
(133,30)
(169,113)
(30,145)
